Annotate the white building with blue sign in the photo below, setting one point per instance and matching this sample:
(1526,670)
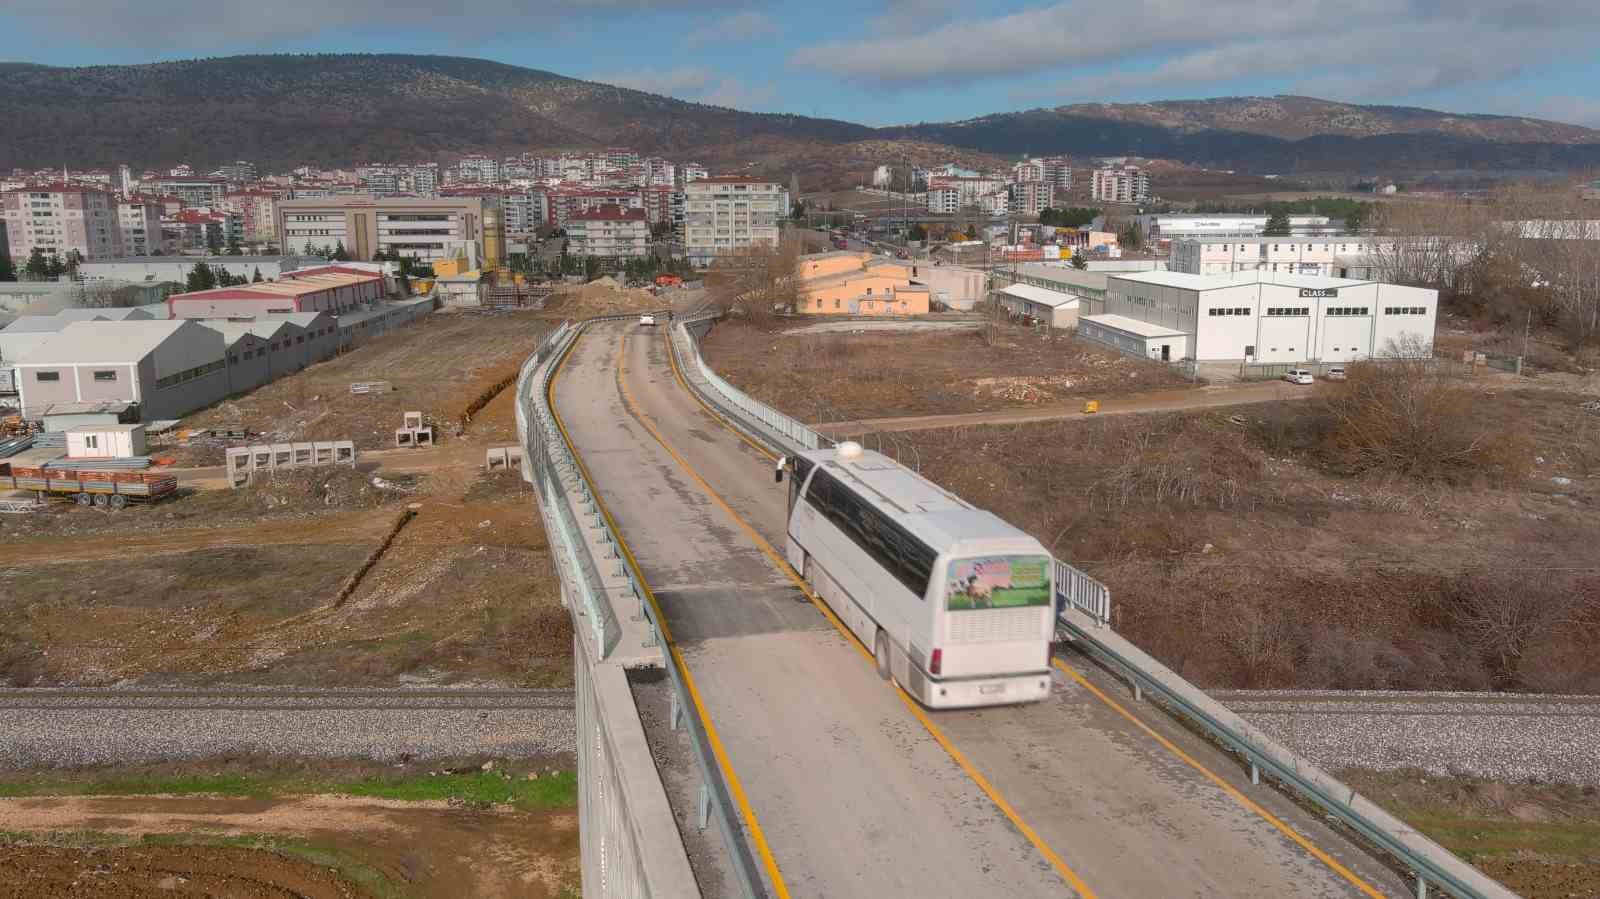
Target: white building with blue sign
(1261,316)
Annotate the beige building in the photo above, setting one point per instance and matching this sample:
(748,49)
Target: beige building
(726,213)
(416,227)
(139,222)
(61,219)
(609,231)
(1129,184)
(846,283)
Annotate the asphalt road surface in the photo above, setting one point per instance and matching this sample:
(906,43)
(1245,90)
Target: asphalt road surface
(857,792)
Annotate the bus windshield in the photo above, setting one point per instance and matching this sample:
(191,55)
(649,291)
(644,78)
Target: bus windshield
(997,582)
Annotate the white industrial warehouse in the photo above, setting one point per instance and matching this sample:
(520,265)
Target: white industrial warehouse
(1258,316)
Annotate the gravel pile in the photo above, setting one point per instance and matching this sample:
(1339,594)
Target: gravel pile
(1551,739)
(64,728)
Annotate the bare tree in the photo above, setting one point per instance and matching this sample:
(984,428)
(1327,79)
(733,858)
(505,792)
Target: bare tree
(760,280)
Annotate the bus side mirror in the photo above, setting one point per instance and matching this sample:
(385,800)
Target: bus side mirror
(777,473)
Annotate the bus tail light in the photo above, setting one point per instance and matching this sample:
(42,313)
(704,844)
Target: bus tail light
(936,661)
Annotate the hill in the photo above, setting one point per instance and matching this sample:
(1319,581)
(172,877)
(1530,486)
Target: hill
(287,110)
(281,111)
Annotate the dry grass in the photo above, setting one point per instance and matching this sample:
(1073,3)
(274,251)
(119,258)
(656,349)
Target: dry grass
(1236,555)
(437,366)
(837,377)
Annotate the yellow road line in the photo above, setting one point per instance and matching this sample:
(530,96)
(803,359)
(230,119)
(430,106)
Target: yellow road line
(1226,787)
(783,566)
(757,835)
(1222,784)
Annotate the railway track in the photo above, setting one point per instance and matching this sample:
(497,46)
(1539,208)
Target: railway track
(45,727)
(296,699)
(1365,702)
(1498,736)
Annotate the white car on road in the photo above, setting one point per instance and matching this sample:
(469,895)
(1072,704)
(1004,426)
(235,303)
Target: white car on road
(648,319)
(1298,376)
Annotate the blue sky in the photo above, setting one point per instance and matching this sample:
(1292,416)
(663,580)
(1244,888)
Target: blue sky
(891,61)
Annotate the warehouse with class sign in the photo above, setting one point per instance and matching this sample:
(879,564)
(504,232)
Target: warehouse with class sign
(1261,316)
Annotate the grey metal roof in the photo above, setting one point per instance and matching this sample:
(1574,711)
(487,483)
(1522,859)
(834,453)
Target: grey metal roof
(103,342)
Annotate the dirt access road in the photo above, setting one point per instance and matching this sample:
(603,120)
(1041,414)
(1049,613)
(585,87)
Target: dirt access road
(318,847)
(1155,401)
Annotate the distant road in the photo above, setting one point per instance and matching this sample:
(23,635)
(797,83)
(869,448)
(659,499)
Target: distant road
(1154,401)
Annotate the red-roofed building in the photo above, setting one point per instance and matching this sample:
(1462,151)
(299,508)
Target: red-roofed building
(330,289)
(563,202)
(195,229)
(611,231)
(258,214)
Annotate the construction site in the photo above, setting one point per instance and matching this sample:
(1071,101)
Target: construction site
(358,536)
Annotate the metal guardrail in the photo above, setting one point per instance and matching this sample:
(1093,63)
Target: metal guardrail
(562,486)
(1082,592)
(1085,615)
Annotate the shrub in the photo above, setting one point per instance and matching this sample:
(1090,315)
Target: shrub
(1404,416)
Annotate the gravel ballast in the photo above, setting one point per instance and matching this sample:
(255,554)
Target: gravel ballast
(1506,737)
(45,728)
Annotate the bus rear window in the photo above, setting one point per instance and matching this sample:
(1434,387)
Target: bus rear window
(997,582)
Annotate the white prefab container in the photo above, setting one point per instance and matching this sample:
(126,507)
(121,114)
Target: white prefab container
(105,442)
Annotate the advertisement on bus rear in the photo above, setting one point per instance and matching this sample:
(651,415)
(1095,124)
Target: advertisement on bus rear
(998,582)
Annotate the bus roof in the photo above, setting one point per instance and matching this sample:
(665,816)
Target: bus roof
(935,515)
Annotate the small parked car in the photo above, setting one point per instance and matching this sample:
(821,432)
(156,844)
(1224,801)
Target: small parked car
(1298,376)
(647,320)
(1336,373)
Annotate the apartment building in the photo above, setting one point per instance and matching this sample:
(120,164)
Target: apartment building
(1220,255)
(692,171)
(948,195)
(139,222)
(1128,184)
(726,213)
(475,168)
(198,229)
(660,171)
(564,202)
(522,211)
(195,192)
(1028,170)
(239,172)
(60,219)
(258,214)
(657,202)
(1058,171)
(1028,197)
(611,231)
(423,228)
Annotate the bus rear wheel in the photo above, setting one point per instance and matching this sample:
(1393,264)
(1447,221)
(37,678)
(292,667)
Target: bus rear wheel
(880,654)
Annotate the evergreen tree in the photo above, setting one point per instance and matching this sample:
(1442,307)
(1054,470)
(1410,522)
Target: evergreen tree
(233,248)
(1078,262)
(37,266)
(1277,225)
(339,255)
(213,240)
(257,279)
(201,277)
(310,250)
(57,267)
(8,268)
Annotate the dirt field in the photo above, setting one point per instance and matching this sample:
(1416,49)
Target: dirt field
(509,832)
(839,377)
(437,366)
(1541,840)
(243,586)
(1237,558)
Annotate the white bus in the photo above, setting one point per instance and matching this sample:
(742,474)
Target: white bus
(957,605)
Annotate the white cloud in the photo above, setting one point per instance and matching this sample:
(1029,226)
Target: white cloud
(1361,49)
(200,25)
(744,25)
